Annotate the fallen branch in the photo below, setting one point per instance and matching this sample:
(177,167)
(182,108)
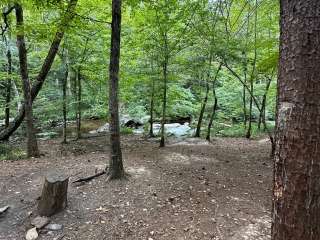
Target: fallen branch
(87,179)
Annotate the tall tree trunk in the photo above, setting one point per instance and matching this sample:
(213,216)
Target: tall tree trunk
(215,105)
(248,134)
(79,93)
(151,134)
(14,125)
(213,114)
(164,102)
(244,95)
(64,102)
(116,170)
(262,115)
(244,104)
(205,100)
(249,129)
(9,86)
(203,108)
(296,193)
(245,72)
(32,146)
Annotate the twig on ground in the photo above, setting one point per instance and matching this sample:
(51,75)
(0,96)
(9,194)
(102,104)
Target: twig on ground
(87,179)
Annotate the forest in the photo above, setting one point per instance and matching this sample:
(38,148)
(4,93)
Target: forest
(159,119)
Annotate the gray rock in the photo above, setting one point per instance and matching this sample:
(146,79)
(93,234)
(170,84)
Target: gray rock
(54,227)
(32,234)
(175,129)
(103,129)
(40,222)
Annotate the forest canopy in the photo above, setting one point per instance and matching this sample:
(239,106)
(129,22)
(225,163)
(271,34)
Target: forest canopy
(195,40)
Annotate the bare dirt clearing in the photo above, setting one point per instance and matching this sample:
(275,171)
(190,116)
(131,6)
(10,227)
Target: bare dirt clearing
(190,189)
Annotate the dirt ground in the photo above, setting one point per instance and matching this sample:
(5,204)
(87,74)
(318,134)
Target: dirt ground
(190,189)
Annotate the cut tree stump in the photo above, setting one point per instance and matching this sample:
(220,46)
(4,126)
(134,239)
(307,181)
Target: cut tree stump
(54,194)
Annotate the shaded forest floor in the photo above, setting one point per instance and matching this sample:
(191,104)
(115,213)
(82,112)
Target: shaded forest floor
(190,189)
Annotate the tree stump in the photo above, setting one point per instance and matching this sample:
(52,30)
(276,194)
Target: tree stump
(54,195)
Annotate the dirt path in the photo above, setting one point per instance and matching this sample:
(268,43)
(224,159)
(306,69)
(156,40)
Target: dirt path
(188,190)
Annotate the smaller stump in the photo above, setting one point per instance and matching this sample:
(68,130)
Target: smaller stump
(54,195)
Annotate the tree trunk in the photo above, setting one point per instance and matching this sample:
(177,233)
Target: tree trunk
(215,105)
(164,102)
(203,108)
(151,134)
(248,134)
(262,115)
(32,145)
(115,164)
(79,93)
(296,193)
(9,87)
(14,125)
(54,195)
(64,103)
(213,114)
(244,104)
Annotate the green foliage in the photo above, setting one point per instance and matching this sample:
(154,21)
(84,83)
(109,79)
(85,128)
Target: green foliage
(195,35)
(8,152)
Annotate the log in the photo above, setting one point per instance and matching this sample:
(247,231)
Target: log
(54,195)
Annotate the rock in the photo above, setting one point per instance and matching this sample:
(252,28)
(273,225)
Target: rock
(132,123)
(32,234)
(103,129)
(93,132)
(124,119)
(47,135)
(40,222)
(4,209)
(54,227)
(175,129)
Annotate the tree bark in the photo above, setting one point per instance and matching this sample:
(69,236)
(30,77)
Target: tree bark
(215,105)
(36,87)
(262,115)
(116,170)
(32,145)
(79,94)
(64,102)
(164,102)
(248,134)
(203,108)
(151,134)
(54,195)
(244,95)
(9,86)
(296,192)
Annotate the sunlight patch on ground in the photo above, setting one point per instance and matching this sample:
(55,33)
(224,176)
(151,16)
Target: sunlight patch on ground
(138,171)
(259,229)
(179,158)
(265,140)
(191,141)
